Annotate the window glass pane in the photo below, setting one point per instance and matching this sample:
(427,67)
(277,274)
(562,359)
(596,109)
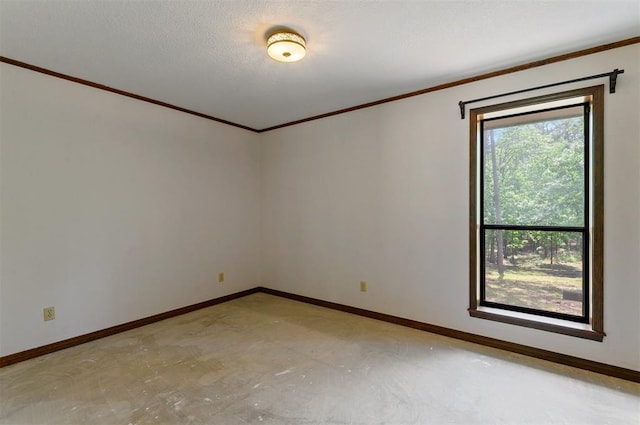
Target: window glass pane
(535,269)
(533,169)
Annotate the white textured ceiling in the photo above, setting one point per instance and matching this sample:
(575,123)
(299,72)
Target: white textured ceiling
(210,56)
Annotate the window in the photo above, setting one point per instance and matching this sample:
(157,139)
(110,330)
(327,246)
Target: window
(536,219)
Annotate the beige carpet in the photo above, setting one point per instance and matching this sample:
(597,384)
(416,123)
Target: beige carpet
(267,360)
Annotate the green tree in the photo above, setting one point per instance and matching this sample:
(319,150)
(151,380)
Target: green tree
(534,175)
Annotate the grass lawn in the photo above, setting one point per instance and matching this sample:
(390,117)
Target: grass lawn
(536,285)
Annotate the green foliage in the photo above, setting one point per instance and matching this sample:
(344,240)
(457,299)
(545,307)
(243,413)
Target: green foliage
(540,181)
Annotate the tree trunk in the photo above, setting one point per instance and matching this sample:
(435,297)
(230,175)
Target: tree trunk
(491,258)
(496,204)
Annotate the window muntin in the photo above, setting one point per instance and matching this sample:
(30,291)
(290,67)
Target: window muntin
(548,218)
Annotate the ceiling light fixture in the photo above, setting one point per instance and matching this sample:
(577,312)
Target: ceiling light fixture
(286,46)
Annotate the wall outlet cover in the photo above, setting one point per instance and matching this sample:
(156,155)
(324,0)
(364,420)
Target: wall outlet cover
(49,313)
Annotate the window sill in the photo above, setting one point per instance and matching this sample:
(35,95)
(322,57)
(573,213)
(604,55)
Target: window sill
(565,327)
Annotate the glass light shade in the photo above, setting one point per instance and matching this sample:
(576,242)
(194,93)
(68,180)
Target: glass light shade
(286,47)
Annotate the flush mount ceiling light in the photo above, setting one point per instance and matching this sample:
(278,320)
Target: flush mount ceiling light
(286,46)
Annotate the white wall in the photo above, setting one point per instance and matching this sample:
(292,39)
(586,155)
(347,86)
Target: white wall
(114,209)
(381,195)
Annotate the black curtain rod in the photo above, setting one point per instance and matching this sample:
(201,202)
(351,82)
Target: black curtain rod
(613,76)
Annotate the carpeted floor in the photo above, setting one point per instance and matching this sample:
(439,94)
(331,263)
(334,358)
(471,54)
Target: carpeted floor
(267,360)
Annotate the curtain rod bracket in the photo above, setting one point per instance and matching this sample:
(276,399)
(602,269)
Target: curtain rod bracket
(613,79)
(462,105)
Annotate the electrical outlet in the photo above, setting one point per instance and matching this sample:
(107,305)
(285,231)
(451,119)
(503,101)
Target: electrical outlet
(220,277)
(363,286)
(49,313)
